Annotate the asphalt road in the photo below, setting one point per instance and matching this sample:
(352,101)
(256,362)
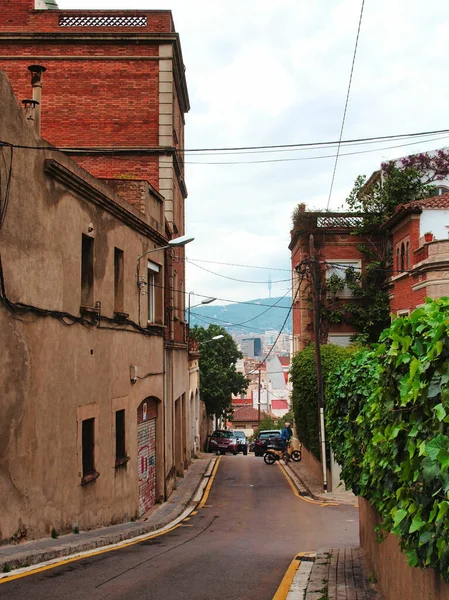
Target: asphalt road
(238,545)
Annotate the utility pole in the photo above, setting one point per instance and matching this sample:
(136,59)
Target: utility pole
(316,285)
(258,398)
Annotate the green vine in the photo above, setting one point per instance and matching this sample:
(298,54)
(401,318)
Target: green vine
(388,422)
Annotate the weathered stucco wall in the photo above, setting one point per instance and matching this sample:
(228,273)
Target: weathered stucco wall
(55,371)
(396,579)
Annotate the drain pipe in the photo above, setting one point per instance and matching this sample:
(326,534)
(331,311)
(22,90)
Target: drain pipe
(37,72)
(30,110)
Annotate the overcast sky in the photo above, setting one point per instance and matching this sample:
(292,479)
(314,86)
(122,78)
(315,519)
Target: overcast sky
(276,72)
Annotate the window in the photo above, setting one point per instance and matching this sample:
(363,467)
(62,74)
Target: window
(402,268)
(88,440)
(339,268)
(340,339)
(120,449)
(407,256)
(153,272)
(87,271)
(118,280)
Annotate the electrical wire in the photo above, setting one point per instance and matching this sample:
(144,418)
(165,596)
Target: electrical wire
(277,160)
(346,105)
(302,275)
(233,278)
(216,262)
(106,150)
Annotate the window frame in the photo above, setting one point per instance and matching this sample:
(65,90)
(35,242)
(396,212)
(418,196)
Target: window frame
(153,270)
(343,264)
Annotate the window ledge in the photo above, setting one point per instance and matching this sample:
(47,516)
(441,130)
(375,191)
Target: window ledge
(121,462)
(89,478)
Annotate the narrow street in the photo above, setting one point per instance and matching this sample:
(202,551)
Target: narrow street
(239,544)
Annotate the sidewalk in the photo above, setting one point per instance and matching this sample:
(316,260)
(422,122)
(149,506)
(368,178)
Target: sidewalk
(329,574)
(182,500)
(309,485)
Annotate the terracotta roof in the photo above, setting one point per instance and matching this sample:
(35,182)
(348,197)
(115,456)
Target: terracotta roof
(279,404)
(242,402)
(247,413)
(417,206)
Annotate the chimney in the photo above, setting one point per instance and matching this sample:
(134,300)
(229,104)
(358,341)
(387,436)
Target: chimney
(37,72)
(30,107)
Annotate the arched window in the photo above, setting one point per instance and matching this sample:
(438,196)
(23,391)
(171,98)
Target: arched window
(402,268)
(407,256)
(398,263)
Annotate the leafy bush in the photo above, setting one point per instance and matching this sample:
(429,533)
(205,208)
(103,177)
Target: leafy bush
(387,418)
(304,394)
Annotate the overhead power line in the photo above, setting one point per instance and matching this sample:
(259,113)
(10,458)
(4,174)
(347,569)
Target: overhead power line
(301,158)
(233,278)
(105,150)
(346,104)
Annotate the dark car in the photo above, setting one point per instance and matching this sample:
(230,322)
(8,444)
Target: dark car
(242,442)
(223,440)
(260,443)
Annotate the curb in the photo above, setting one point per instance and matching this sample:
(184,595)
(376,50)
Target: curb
(301,486)
(105,538)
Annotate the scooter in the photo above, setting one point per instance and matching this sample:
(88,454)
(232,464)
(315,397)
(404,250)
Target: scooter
(273,454)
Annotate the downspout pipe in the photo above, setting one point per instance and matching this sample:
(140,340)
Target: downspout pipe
(37,72)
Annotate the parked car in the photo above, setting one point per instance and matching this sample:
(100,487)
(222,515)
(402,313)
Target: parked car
(242,442)
(223,440)
(260,443)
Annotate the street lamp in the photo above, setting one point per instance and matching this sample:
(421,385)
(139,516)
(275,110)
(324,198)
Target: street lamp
(205,301)
(216,337)
(176,243)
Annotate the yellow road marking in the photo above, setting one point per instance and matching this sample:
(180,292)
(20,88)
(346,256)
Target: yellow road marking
(112,548)
(298,495)
(209,484)
(284,586)
(194,512)
(86,555)
(186,519)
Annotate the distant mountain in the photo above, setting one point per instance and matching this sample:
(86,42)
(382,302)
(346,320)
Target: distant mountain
(252,316)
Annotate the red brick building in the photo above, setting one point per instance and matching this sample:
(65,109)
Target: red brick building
(112,96)
(337,249)
(418,235)
(419,231)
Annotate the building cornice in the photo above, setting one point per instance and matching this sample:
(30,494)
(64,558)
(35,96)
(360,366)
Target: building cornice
(91,194)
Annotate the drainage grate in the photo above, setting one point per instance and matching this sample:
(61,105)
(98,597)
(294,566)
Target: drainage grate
(102,21)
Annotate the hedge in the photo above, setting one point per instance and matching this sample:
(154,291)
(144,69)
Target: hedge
(304,394)
(388,423)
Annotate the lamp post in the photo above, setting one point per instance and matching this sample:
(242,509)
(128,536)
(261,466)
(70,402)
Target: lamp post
(216,337)
(176,243)
(205,301)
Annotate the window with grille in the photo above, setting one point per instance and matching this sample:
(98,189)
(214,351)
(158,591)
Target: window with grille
(88,441)
(118,280)
(120,449)
(87,271)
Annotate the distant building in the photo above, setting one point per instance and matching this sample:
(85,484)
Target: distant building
(251,347)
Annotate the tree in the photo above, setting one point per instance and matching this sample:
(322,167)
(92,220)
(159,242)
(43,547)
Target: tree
(218,376)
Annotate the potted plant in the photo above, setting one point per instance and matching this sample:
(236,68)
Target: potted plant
(428,236)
